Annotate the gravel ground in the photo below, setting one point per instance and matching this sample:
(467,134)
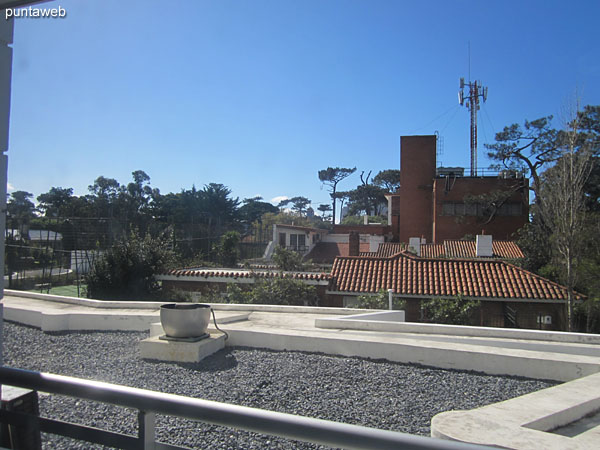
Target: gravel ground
(367,392)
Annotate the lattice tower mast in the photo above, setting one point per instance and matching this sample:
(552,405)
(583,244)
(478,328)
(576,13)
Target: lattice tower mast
(476,90)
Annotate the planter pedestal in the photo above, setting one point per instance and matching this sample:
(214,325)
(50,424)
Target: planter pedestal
(179,350)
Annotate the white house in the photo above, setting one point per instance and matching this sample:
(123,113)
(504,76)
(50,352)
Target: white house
(293,237)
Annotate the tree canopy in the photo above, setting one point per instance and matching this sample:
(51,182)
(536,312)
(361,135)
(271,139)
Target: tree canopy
(331,177)
(388,180)
(563,164)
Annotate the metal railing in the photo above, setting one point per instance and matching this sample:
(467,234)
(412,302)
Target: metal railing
(149,403)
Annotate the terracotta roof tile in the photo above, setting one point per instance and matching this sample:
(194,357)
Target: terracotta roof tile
(450,249)
(234,274)
(411,275)
(386,249)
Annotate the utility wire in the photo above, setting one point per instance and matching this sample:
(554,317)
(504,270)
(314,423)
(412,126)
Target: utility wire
(437,118)
(451,119)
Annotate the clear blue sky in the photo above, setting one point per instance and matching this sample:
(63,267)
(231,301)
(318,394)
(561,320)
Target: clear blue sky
(260,95)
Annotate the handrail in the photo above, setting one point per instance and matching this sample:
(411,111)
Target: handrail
(251,419)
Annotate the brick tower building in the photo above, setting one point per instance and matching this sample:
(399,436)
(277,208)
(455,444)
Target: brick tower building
(439,203)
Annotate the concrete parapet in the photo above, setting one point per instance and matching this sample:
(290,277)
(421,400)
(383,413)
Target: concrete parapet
(447,355)
(456,330)
(529,422)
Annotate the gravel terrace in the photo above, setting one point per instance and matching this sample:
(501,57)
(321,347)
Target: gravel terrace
(366,392)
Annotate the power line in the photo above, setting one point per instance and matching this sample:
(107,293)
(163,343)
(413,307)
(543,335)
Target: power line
(437,118)
(451,118)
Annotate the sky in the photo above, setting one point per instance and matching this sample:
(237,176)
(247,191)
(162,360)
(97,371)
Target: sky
(260,95)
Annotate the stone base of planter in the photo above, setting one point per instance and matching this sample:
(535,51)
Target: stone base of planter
(177,351)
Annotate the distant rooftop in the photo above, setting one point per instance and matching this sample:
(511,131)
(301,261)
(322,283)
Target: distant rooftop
(453,248)
(409,275)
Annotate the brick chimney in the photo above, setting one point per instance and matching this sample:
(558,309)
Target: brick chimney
(353,243)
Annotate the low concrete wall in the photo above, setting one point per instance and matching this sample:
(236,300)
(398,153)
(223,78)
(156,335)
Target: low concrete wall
(89,303)
(460,330)
(381,316)
(109,304)
(539,365)
(104,315)
(527,422)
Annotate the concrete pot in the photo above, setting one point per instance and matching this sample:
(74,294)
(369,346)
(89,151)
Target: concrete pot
(185,320)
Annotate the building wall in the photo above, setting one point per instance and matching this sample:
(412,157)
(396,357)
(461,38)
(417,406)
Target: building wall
(417,210)
(311,237)
(452,191)
(417,171)
(394,216)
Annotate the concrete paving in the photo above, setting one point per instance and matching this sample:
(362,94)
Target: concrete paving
(561,357)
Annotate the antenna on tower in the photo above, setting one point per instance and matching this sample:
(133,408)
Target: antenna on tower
(471,101)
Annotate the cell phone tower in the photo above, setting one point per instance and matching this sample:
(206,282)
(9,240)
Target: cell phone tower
(471,101)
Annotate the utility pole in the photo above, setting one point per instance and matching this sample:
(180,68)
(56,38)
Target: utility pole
(471,101)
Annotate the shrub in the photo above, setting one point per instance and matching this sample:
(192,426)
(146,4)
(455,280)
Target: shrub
(284,291)
(176,295)
(452,311)
(276,291)
(287,260)
(126,271)
(360,220)
(379,301)
(235,294)
(228,250)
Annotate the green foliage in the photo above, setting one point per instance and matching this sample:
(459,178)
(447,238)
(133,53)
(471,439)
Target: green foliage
(126,271)
(587,316)
(332,176)
(55,202)
(366,198)
(284,291)
(299,204)
(177,295)
(359,220)
(235,294)
(276,291)
(528,149)
(253,209)
(287,260)
(324,209)
(19,208)
(379,301)
(450,311)
(228,250)
(388,180)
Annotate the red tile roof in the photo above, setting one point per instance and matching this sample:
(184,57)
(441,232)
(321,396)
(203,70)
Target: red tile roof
(387,249)
(414,276)
(451,249)
(224,273)
(466,249)
(434,251)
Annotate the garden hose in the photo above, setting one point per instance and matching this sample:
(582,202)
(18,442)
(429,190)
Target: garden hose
(216,326)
